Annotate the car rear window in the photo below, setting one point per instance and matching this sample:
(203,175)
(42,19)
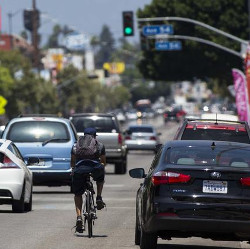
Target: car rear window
(37,131)
(141,129)
(226,156)
(216,134)
(102,124)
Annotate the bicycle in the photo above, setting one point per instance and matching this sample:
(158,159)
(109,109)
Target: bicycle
(89,207)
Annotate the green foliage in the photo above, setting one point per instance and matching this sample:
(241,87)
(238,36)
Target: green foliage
(196,59)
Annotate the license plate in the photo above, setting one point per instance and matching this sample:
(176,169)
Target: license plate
(219,187)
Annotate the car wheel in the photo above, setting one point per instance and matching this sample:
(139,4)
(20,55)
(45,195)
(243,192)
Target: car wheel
(28,206)
(18,205)
(148,240)
(121,168)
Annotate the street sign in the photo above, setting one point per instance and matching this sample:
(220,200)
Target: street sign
(157,29)
(168,45)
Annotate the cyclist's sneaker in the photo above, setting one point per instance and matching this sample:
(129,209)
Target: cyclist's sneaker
(79,228)
(99,203)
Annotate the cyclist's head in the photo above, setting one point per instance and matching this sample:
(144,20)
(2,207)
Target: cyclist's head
(90,131)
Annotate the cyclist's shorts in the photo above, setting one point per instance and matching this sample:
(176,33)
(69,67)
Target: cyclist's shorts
(79,177)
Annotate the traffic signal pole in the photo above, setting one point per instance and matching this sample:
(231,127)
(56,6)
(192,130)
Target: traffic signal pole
(35,36)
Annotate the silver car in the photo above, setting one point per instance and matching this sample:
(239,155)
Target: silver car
(142,137)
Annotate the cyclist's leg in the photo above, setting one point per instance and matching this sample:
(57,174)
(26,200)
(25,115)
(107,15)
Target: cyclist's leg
(78,187)
(99,175)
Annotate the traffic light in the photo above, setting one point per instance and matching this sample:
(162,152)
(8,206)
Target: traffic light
(128,23)
(143,42)
(29,18)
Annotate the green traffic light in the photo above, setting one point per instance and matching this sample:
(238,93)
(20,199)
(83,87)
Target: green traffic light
(128,30)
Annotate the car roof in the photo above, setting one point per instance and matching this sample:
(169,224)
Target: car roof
(39,118)
(92,114)
(181,143)
(213,124)
(141,125)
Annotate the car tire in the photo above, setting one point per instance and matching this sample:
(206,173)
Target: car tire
(28,206)
(148,240)
(121,167)
(18,205)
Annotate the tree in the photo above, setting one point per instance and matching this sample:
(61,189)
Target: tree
(53,38)
(196,59)
(107,44)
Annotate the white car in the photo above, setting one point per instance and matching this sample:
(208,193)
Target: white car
(15,178)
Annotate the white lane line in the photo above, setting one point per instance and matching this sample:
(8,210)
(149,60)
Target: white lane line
(244,244)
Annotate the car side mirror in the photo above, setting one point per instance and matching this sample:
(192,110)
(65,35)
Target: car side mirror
(137,173)
(33,160)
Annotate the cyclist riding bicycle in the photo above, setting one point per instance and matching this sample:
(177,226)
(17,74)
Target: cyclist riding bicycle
(82,165)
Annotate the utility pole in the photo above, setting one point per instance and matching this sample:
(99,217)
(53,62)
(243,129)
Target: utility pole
(35,35)
(10,15)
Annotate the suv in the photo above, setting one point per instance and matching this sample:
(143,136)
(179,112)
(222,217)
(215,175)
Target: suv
(47,140)
(220,130)
(109,133)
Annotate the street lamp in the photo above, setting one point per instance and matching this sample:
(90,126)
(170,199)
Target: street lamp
(10,16)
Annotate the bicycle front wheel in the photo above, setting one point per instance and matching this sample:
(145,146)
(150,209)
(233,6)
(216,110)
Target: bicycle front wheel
(89,214)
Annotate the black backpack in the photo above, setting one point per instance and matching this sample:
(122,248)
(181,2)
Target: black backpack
(87,147)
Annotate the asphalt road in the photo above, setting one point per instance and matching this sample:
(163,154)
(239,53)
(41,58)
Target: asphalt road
(49,225)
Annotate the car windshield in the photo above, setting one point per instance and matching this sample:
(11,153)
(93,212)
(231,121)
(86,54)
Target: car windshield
(141,129)
(216,134)
(214,155)
(38,131)
(102,124)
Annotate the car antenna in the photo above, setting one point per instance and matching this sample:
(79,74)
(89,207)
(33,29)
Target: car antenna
(216,121)
(213,145)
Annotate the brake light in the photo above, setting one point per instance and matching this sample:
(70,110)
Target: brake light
(245,181)
(120,139)
(165,115)
(127,137)
(165,177)
(153,138)
(8,163)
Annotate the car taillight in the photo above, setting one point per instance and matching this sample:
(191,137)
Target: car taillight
(8,163)
(165,177)
(152,138)
(127,137)
(165,115)
(120,139)
(245,181)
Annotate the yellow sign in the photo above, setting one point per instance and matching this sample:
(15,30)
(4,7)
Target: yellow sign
(3,103)
(114,67)
(58,59)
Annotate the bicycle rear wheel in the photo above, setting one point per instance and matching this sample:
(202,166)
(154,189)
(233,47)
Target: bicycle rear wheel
(89,214)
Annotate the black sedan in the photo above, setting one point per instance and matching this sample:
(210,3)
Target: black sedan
(194,188)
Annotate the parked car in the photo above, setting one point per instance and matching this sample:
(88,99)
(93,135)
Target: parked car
(48,138)
(15,178)
(142,137)
(194,188)
(200,129)
(109,133)
(174,114)
(131,114)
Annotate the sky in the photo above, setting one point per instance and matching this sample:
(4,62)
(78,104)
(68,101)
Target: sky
(86,16)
